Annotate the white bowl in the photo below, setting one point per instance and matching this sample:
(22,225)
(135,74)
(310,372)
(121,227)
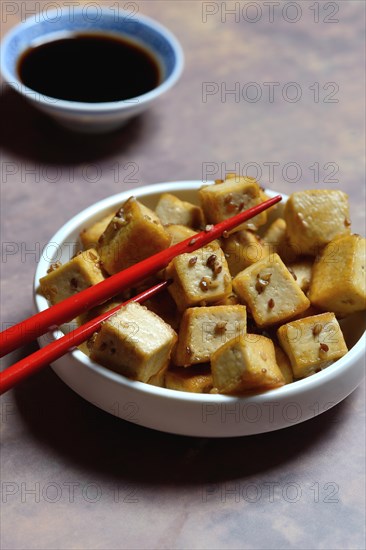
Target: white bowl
(185,413)
(58,23)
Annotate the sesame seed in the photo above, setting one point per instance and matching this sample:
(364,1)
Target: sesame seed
(211,261)
(53,267)
(204,284)
(192,261)
(220,327)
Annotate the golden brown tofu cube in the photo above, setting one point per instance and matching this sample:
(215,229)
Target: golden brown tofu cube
(339,278)
(224,200)
(270,291)
(312,343)
(230,300)
(87,316)
(178,233)
(246,364)
(195,380)
(204,329)
(170,209)
(276,239)
(134,342)
(90,236)
(284,364)
(77,274)
(200,277)
(134,234)
(158,379)
(163,305)
(243,249)
(301,271)
(316,217)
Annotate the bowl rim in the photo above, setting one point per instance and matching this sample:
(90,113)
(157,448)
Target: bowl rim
(84,107)
(292,390)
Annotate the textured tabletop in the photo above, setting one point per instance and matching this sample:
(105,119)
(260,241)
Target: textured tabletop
(272,89)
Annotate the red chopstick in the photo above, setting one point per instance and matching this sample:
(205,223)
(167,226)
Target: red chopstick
(68,309)
(44,356)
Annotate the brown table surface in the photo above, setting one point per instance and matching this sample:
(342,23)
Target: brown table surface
(76,477)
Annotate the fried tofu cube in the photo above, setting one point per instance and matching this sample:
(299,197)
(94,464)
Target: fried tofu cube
(312,343)
(223,200)
(170,209)
(230,300)
(87,316)
(204,329)
(134,342)
(276,239)
(163,305)
(90,236)
(316,217)
(338,283)
(270,291)
(284,364)
(158,379)
(200,277)
(246,364)
(243,249)
(79,273)
(194,380)
(134,234)
(301,271)
(178,233)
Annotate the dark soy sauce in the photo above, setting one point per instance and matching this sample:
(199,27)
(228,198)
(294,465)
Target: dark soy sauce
(90,68)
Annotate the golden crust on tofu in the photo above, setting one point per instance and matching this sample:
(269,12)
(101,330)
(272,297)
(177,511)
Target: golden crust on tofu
(243,249)
(200,277)
(284,364)
(90,236)
(158,379)
(339,276)
(163,305)
(135,233)
(301,271)
(195,380)
(204,329)
(172,210)
(270,291)
(223,200)
(178,233)
(276,239)
(230,300)
(245,365)
(312,343)
(316,217)
(134,342)
(79,273)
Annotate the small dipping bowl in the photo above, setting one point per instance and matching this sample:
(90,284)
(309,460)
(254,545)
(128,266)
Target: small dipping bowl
(134,28)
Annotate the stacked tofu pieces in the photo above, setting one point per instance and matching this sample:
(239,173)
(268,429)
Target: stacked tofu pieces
(247,313)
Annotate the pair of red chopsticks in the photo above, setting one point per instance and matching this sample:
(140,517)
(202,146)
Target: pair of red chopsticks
(68,309)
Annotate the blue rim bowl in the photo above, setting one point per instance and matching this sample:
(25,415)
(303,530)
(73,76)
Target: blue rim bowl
(60,23)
